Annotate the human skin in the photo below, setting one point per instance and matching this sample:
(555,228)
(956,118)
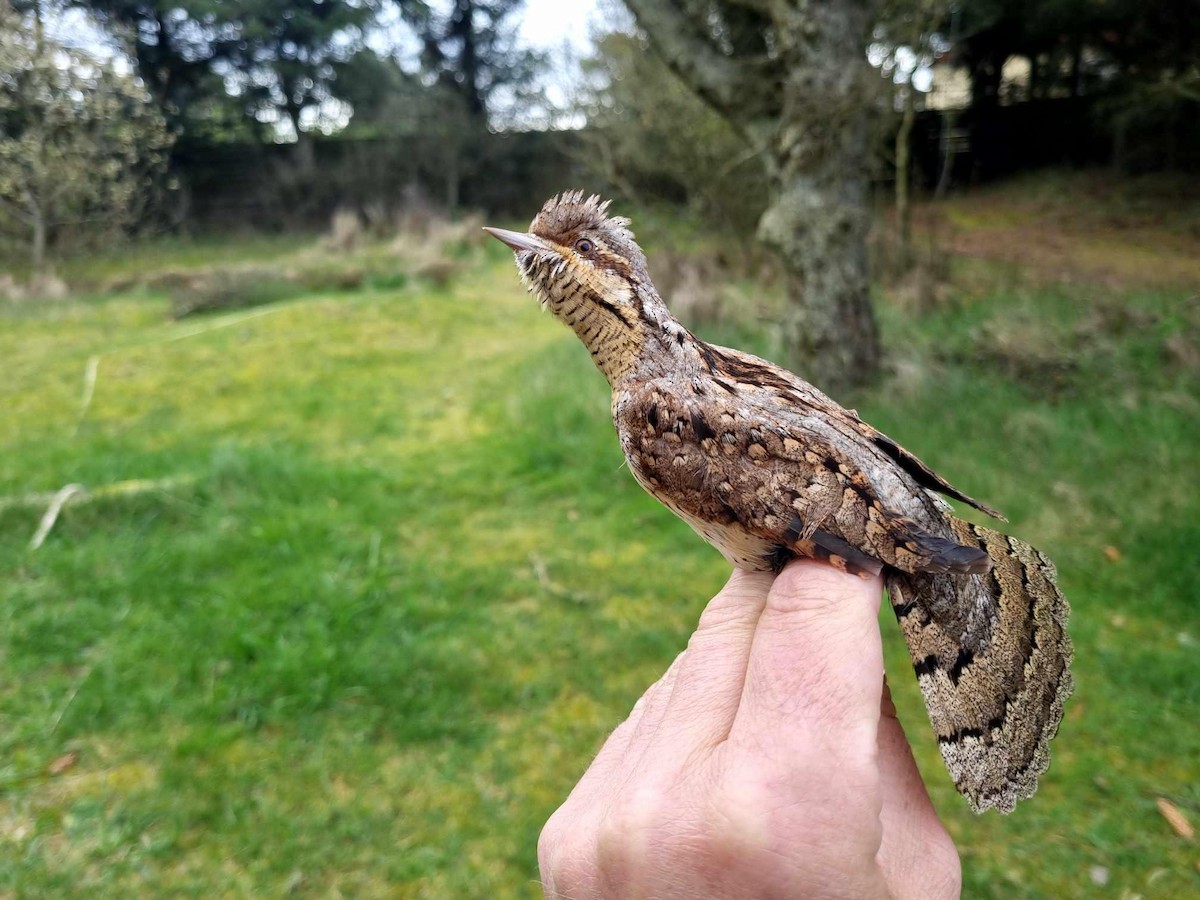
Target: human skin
(767,762)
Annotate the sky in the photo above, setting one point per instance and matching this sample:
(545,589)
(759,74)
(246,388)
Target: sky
(549,24)
(564,29)
(561,28)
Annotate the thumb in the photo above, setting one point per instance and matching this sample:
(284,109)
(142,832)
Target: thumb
(815,674)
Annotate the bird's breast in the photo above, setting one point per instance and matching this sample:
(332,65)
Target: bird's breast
(687,488)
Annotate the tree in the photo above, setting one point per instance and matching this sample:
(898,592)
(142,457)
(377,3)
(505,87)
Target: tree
(80,143)
(792,79)
(285,60)
(428,125)
(637,109)
(1137,62)
(472,51)
(906,38)
(271,59)
(1156,95)
(177,47)
(480,77)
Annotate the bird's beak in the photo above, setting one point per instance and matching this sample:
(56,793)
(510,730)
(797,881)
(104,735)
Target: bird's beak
(518,241)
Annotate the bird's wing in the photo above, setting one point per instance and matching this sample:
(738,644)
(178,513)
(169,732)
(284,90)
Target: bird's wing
(793,390)
(721,458)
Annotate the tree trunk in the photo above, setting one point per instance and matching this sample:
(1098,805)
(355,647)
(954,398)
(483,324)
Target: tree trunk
(792,79)
(453,180)
(1120,135)
(306,159)
(37,248)
(462,29)
(904,177)
(828,328)
(35,187)
(820,215)
(949,121)
(1076,66)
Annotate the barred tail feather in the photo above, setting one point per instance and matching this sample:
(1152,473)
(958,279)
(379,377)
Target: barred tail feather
(994,692)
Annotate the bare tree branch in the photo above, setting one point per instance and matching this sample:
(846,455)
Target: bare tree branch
(718,79)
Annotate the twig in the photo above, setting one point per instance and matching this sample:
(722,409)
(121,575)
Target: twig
(119,488)
(373,551)
(549,585)
(86,673)
(89,390)
(232,319)
(62,710)
(51,515)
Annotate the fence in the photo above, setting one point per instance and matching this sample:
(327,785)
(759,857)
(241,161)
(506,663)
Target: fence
(274,187)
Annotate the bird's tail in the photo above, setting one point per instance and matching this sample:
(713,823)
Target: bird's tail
(994,682)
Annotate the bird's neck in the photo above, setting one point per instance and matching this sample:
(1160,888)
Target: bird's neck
(615,344)
(635,338)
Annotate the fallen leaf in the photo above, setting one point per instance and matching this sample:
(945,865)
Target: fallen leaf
(1176,819)
(63,763)
(1113,554)
(1117,621)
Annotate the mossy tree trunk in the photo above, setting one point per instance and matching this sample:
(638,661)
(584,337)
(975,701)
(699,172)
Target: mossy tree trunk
(819,220)
(791,77)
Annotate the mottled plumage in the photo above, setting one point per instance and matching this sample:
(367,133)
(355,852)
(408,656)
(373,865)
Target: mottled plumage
(766,468)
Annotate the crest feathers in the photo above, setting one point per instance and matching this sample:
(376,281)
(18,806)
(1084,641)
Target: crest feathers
(568,212)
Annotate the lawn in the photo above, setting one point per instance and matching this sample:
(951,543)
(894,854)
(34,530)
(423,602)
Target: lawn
(361,582)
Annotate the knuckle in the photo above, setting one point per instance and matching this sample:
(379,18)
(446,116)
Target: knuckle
(811,597)
(549,841)
(737,605)
(744,804)
(565,865)
(636,823)
(797,796)
(638,810)
(719,619)
(571,876)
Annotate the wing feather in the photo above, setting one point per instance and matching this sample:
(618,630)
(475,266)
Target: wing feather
(733,470)
(791,388)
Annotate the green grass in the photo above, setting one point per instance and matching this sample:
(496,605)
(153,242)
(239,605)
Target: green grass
(396,586)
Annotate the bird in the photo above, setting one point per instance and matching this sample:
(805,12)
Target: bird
(766,468)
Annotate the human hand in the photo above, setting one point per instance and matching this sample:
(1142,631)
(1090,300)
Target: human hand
(766,762)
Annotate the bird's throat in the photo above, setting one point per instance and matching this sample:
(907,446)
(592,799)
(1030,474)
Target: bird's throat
(614,341)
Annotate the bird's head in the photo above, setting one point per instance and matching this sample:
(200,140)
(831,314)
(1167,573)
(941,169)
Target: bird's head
(585,267)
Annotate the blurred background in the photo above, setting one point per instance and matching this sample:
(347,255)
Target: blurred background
(320,574)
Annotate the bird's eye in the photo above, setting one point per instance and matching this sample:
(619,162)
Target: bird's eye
(583,245)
